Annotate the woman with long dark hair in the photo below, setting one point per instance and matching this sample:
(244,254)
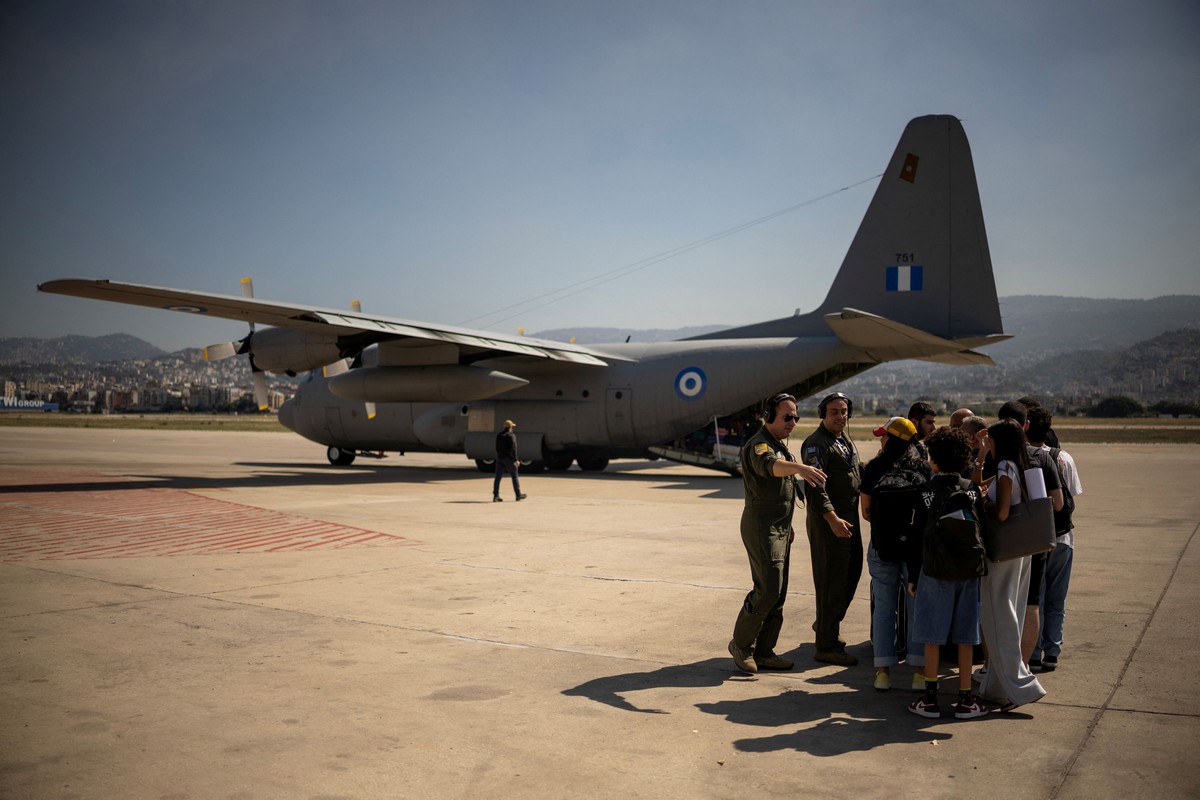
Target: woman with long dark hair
(1006,679)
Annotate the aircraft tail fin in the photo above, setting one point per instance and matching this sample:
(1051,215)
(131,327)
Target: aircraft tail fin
(920,257)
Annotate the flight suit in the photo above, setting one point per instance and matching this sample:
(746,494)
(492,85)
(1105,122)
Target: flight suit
(836,562)
(766,534)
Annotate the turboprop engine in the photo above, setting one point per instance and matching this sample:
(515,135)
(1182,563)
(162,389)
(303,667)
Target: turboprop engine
(291,351)
(422,384)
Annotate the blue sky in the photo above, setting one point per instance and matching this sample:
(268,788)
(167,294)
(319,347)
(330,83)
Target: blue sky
(443,161)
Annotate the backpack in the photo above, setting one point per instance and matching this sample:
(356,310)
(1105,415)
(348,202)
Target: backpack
(953,549)
(1062,517)
(897,511)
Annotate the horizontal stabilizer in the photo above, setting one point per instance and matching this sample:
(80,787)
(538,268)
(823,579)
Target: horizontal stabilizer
(887,340)
(963,358)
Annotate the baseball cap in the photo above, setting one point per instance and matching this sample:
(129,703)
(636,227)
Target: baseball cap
(897,426)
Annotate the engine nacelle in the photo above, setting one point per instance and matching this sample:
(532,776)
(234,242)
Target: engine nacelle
(428,384)
(286,350)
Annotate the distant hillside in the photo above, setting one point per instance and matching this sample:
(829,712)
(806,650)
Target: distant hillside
(75,349)
(1045,323)
(1167,366)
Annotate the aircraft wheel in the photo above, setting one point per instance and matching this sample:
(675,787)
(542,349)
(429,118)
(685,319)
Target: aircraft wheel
(558,462)
(485,464)
(339,457)
(592,463)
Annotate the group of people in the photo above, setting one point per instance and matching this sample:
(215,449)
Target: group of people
(1014,607)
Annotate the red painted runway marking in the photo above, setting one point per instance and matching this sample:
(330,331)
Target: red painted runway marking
(94,521)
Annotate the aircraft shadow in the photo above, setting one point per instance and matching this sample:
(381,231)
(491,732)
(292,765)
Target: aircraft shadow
(290,474)
(856,719)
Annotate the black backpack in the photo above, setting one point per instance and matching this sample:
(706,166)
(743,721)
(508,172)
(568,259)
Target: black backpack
(953,548)
(1062,517)
(897,511)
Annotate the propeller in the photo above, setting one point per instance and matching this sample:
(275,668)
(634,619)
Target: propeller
(223,350)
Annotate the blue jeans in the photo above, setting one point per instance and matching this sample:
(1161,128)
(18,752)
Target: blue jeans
(506,466)
(1056,581)
(888,579)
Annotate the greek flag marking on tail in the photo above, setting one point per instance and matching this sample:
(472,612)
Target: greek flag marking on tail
(905,279)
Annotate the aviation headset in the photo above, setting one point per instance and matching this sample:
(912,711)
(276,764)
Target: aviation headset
(773,403)
(836,396)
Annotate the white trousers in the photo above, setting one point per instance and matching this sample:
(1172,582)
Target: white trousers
(1004,591)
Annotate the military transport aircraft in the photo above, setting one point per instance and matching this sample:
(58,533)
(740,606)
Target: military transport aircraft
(916,283)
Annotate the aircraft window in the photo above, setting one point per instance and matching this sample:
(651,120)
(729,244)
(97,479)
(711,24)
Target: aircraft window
(585,392)
(619,395)
(558,393)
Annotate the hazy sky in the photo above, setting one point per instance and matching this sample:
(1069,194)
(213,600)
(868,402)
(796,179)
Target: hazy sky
(446,160)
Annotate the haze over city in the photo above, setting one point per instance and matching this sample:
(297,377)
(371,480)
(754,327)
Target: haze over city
(501,165)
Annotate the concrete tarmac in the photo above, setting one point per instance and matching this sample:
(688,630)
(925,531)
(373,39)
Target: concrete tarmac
(224,615)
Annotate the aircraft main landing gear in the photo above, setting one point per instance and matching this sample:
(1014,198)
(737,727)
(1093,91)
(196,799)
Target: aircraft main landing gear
(592,463)
(339,457)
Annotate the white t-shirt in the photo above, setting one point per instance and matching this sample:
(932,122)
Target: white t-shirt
(1010,469)
(1071,473)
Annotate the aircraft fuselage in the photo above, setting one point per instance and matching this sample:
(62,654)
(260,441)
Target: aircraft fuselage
(666,390)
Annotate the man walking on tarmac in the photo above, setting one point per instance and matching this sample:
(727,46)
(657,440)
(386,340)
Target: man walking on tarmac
(769,474)
(834,537)
(507,461)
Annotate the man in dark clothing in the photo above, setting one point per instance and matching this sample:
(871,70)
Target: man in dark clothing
(924,418)
(834,537)
(769,474)
(507,461)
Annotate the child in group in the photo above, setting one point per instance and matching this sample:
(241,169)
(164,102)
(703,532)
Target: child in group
(947,607)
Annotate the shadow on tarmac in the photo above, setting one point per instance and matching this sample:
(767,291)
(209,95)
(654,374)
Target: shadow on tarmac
(287,474)
(856,719)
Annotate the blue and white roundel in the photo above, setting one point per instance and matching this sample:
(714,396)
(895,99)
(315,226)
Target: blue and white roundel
(690,383)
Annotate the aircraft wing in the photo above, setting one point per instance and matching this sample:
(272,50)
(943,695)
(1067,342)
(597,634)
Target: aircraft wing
(363,327)
(888,340)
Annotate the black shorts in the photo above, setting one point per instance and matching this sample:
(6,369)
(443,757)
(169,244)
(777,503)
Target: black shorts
(1036,568)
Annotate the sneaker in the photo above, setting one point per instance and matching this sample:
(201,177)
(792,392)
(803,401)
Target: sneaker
(970,708)
(1049,663)
(883,681)
(743,660)
(521,497)
(839,657)
(497,498)
(918,682)
(772,661)
(925,708)
(1035,664)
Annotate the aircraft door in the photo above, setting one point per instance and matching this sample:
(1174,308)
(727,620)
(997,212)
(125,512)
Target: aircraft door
(618,414)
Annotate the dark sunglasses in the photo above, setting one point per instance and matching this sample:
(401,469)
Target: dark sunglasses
(790,418)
